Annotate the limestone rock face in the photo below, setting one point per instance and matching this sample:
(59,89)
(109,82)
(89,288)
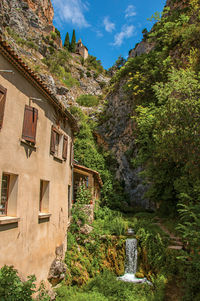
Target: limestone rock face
(43,8)
(58,267)
(143,47)
(117,132)
(24,15)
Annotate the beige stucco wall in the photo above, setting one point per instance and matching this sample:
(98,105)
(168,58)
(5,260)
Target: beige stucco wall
(30,245)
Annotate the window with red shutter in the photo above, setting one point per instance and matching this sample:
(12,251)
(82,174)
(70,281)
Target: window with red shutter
(2,103)
(65,144)
(30,124)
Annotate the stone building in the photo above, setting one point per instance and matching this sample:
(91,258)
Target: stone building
(81,50)
(90,178)
(36,151)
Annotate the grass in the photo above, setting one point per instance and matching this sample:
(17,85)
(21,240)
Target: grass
(69,81)
(106,287)
(87,100)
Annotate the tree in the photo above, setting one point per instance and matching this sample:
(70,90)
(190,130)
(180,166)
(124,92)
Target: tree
(73,42)
(120,62)
(145,34)
(67,43)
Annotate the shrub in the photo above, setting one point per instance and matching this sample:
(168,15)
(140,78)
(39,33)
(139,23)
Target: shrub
(53,35)
(69,81)
(84,195)
(87,100)
(12,288)
(88,74)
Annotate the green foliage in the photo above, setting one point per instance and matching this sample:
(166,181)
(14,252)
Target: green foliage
(67,42)
(58,64)
(87,100)
(93,63)
(57,32)
(109,222)
(73,42)
(28,42)
(74,294)
(53,35)
(84,195)
(88,74)
(89,154)
(69,81)
(12,288)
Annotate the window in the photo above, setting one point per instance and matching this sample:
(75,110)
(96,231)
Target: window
(59,144)
(3,92)
(55,142)
(44,196)
(4,194)
(9,191)
(30,124)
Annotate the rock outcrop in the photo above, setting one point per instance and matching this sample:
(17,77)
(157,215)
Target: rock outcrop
(117,133)
(142,47)
(28,26)
(26,15)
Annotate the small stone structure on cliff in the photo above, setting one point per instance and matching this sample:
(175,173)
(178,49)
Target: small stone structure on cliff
(81,49)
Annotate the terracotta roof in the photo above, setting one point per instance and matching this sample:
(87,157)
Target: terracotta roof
(90,170)
(9,53)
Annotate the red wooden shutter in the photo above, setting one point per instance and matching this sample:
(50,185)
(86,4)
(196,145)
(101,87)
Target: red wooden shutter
(53,140)
(65,144)
(30,123)
(2,104)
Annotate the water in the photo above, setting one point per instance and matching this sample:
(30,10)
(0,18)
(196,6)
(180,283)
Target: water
(131,263)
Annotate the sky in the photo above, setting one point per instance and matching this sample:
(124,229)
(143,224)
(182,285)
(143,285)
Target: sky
(107,28)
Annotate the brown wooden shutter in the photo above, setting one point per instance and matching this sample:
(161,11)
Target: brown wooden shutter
(71,153)
(65,144)
(2,104)
(30,123)
(53,140)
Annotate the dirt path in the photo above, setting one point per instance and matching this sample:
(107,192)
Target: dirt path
(176,242)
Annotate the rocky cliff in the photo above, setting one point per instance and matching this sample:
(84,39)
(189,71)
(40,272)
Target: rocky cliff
(118,126)
(117,133)
(28,26)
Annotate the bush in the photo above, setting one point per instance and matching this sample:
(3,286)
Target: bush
(69,81)
(53,35)
(87,100)
(88,74)
(12,288)
(84,195)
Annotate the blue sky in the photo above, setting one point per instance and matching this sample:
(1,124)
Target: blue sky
(108,28)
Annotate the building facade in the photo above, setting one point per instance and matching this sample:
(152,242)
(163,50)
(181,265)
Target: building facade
(88,177)
(81,50)
(36,150)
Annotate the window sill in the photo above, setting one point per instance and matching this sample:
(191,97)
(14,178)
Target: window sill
(58,159)
(44,215)
(8,220)
(29,144)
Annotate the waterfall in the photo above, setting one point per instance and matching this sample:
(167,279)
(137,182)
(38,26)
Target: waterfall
(131,256)
(131,263)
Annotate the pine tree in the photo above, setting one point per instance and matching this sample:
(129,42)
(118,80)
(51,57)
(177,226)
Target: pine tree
(67,44)
(73,42)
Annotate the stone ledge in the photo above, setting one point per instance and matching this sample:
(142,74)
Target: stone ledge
(8,220)
(43,215)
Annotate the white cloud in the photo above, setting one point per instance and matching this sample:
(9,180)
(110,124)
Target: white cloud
(109,26)
(126,32)
(71,11)
(130,11)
